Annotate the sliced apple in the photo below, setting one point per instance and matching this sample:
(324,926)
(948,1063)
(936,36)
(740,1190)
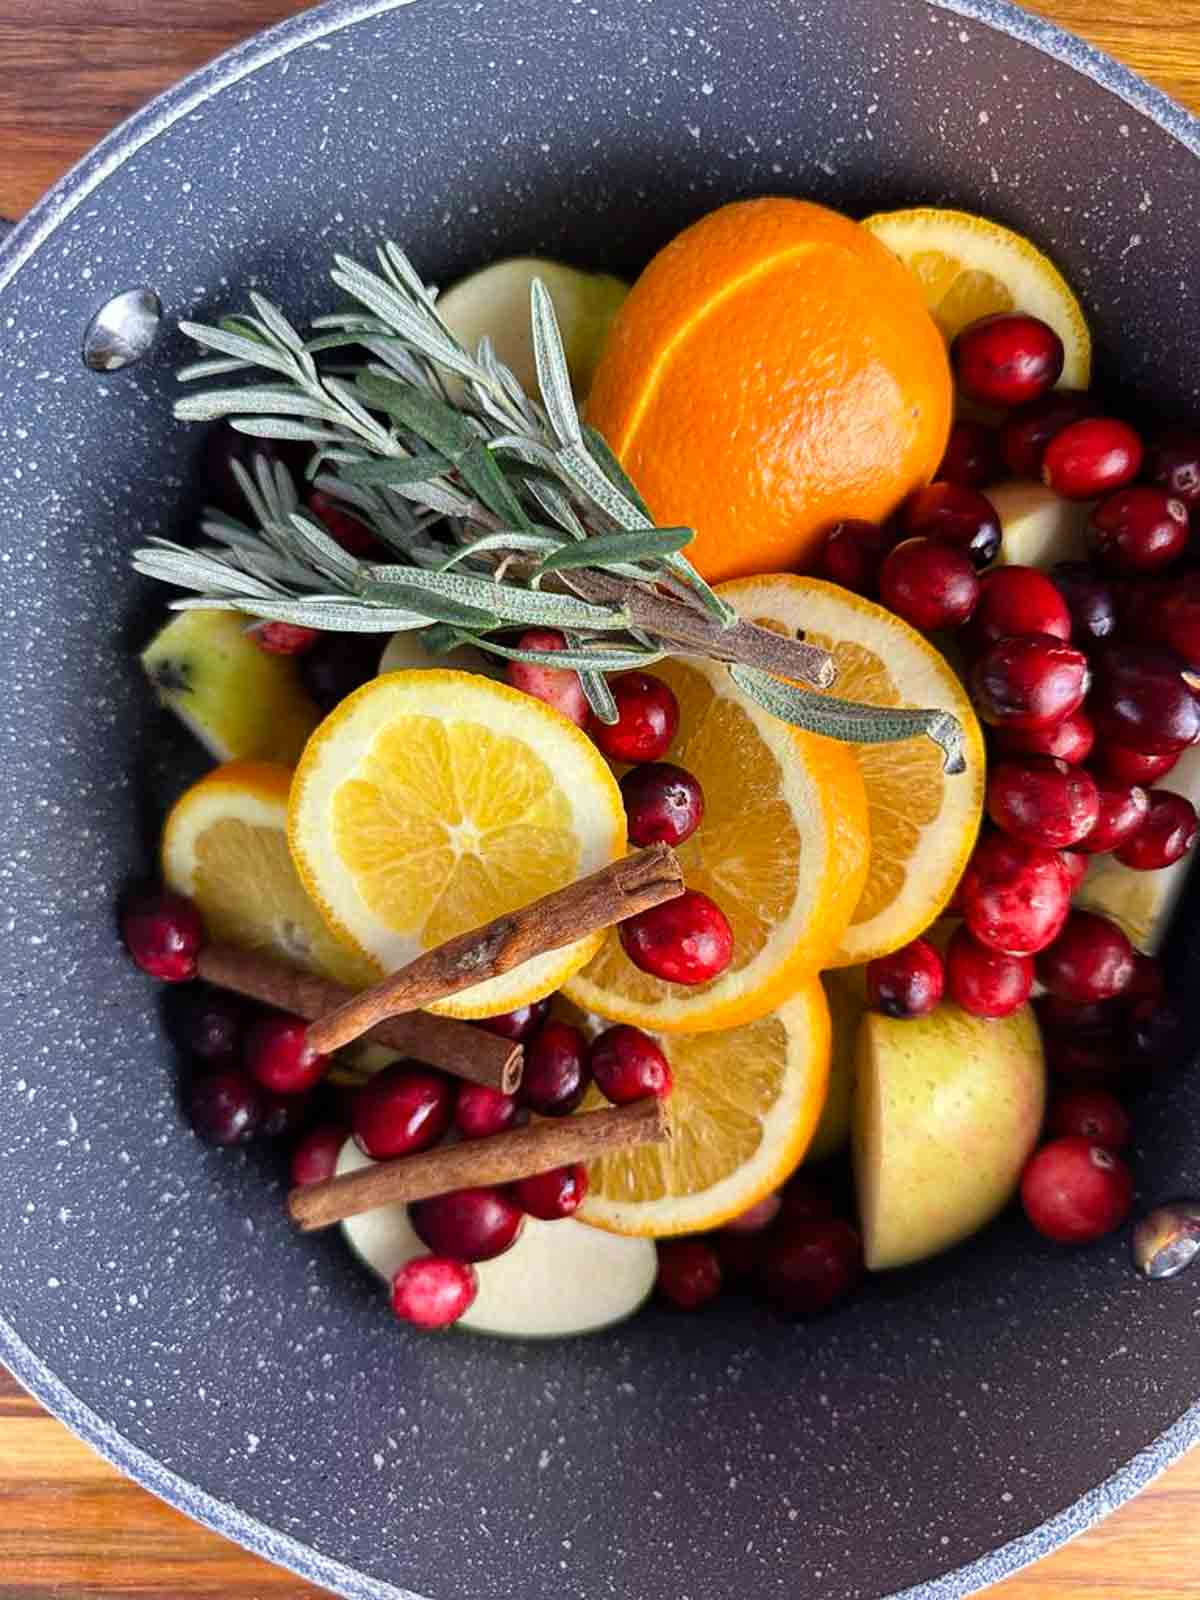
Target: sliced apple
(845,990)
(404,652)
(1037,528)
(947,1110)
(559,1279)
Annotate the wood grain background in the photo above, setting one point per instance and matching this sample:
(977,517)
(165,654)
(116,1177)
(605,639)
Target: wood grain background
(71,1528)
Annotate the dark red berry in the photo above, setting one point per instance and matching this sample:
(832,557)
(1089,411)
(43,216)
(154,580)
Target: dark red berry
(1091,458)
(351,532)
(664,804)
(740,1254)
(1176,616)
(1070,740)
(276,1052)
(433,1291)
(807,1197)
(1090,960)
(1173,463)
(206,1023)
(224,1106)
(1093,1023)
(401,1110)
(853,553)
(315,1158)
(1131,766)
(628,1065)
(1142,701)
(1165,837)
(972,456)
(284,638)
(480,1111)
(1092,1114)
(557,686)
(467,1224)
(1147,982)
(1025,434)
(1030,680)
(954,515)
(1008,359)
(338,664)
(930,584)
(1089,600)
(810,1266)
(1153,1035)
(556,1072)
(1043,800)
(517,1025)
(163,933)
(685,940)
(285,1116)
(1122,811)
(1085,1063)
(689,1274)
(552,1195)
(907,983)
(1138,529)
(647,719)
(1015,895)
(1017,600)
(987,983)
(1075,1191)
(1076,865)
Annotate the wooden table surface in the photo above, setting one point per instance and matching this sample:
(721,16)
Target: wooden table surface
(71,1527)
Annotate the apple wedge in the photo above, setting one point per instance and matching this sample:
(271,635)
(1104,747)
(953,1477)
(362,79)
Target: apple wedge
(1037,527)
(846,992)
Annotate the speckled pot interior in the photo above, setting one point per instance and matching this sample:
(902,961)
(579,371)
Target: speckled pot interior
(954,1422)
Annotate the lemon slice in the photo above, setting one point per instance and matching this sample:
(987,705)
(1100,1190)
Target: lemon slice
(743,1108)
(969,267)
(923,823)
(225,846)
(782,850)
(429,802)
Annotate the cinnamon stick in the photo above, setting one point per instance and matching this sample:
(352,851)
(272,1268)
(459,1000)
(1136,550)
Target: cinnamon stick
(455,1047)
(502,1158)
(616,892)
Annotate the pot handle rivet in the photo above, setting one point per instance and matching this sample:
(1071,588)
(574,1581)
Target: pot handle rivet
(122,331)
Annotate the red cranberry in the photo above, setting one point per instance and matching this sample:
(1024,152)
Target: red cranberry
(1026,433)
(1142,700)
(1123,810)
(1015,895)
(285,1115)
(1138,529)
(315,1158)
(1092,457)
(987,983)
(1076,865)
(664,804)
(401,1110)
(1008,359)
(972,456)
(551,1195)
(907,983)
(433,1291)
(1089,600)
(1029,681)
(1147,982)
(809,1266)
(756,1217)
(555,1074)
(557,686)
(1165,837)
(338,664)
(1092,1023)
(1092,1114)
(1153,1035)
(1131,766)
(853,553)
(480,1111)
(647,719)
(284,638)
(627,1065)
(1176,616)
(956,516)
(1090,960)
(1084,1063)
(206,1022)
(806,1198)
(930,584)
(740,1254)
(1018,600)
(163,933)
(225,1106)
(351,532)
(1075,1191)
(1173,462)
(517,1025)
(1070,740)
(277,1053)
(467,1224)
(1043,800)
(689,1273)
(685,940)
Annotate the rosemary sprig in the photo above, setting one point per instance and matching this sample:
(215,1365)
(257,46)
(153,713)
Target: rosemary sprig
(499,511)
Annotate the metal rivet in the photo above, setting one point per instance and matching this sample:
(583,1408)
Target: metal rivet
(122,331)
(1167,1240)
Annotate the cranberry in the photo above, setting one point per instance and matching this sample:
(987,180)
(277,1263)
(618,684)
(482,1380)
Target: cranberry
(1153,1034)
(480,1111)
(1084,1063)
(806,1198)
(627,1065)
(809,1266)
(467,1224)
(756,1217)
(551,1195)
(1142,700)
(401,1110)
(163,933)
(664,804)
(277,1053)
(338,664)
(556,1073)
(1166,835)
(1016,895)
(956,516)
(285,1115)
(284,638)
(1070,740)
(517,1025)
(315,1158)
(1123,810)
(1076,865)
(689,1273)
(1131,766)
(907,983)
(1176,616)
(647,719)
(1090,960)
(1018,600)
(1075,1191)
(685,940)
(987,983)
(1092,1114)
(1092,457)
(206,1022)
(1173,462)
(853,553)
(225,1106)
(557,686)
(1089,600)
(1029,681)
(224,444)
(972,456)
(1043,800)
(433,1291)
(1096,1022)
(1138,529)
(740,1254)
(351,532)
(1008,359)
(930,584)
(1147,982)
(1026,433)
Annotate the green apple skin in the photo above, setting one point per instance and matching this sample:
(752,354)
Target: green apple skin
(948,1108)
(845,990)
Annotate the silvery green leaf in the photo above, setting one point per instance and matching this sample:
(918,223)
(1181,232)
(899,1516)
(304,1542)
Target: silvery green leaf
(218,367)
(398,469)
(253,351)
(276,323)
(554,377)
(280,428)
(587,658)
(598,449)
(556,505)
(422,332)
(602,549)
(440,497)
(351,494)
(344,395)
(339,563)
(529,607)
(599,697)
(251,492)
(440,638)
(191,569)
(397,260)
(433,607)
(506,540)
(327,613)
